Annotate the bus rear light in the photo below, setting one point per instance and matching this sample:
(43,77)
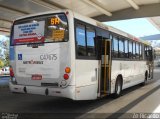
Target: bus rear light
(66,76)
(11,72)
(67,70)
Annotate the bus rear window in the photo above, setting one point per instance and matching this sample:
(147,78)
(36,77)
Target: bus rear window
(44,29)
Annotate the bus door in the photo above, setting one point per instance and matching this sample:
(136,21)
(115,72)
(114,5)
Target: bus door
(105,67)
(103,46)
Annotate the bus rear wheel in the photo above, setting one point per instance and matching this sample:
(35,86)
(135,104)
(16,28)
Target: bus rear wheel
(118,87)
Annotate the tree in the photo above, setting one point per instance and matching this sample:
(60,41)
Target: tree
(6,60)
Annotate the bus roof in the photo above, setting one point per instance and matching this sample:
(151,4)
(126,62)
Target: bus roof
(42,13)
(109,28)
(91,21)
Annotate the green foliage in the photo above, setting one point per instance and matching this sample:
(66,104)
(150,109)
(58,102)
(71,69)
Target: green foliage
(6,63)
(1,63)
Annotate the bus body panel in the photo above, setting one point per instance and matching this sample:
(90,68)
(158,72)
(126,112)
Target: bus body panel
(133,72)
(68,92)
(49,61)
(88,92)
(86,79)
(66,54)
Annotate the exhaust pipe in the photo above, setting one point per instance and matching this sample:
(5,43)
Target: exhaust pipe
(25,89)
(46,91)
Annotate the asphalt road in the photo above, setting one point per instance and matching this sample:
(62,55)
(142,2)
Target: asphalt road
(27,103)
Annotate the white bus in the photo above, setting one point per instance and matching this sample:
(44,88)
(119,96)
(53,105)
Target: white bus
(65,54)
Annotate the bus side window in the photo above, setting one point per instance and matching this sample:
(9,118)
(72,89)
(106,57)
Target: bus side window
(121,48)
(115,49)
(134,50)
(80,40)
(137,51)
(130,49)
(140,51)
(146,52)
(90,41)
(150,53)
(126,48)
(112,46)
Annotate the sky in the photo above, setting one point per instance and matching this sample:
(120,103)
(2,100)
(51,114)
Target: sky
(138,27)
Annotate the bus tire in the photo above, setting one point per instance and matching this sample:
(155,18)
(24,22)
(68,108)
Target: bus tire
(118,87)
(145,79)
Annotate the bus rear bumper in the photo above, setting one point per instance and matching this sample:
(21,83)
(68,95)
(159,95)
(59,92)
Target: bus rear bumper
(68,92)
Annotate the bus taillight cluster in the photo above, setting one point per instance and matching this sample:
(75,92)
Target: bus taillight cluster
(67,71)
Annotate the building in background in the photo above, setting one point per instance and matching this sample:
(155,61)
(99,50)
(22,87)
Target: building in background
(155,41)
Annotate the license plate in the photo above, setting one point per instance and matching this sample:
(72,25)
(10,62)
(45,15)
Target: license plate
(36,77)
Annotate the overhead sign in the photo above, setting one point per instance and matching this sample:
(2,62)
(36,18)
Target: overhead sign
(58,34)
(29,32)
(55,21)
